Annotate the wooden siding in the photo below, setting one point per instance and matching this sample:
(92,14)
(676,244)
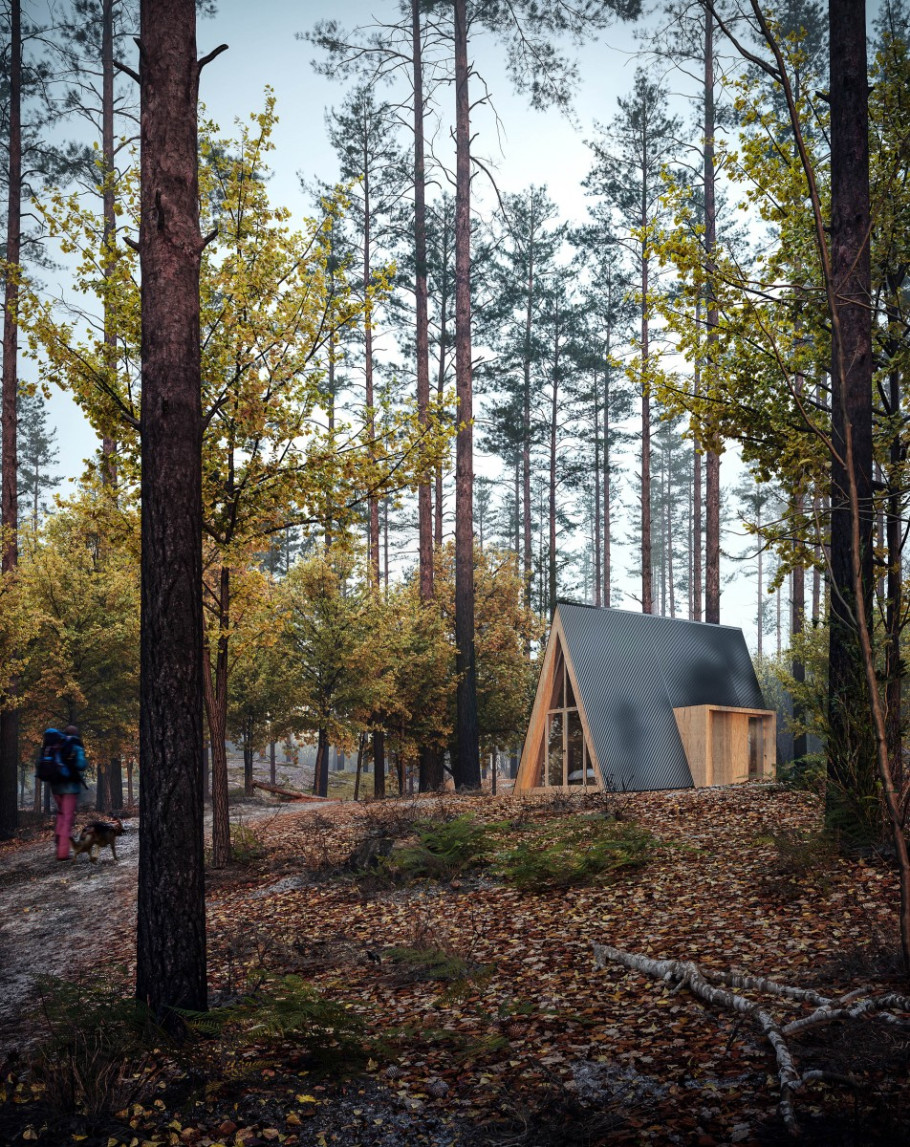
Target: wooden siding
(716,741)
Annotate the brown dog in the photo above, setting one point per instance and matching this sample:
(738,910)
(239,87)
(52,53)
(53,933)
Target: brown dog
(97,835)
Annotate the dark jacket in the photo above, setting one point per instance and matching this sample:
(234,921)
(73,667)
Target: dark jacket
(74,759)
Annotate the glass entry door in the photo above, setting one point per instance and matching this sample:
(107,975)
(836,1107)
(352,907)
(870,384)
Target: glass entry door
(567,762)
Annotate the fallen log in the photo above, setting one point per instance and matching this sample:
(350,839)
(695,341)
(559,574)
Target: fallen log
(686,974)
(288,794)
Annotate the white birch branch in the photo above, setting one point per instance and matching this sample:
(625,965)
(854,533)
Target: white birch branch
(685,974)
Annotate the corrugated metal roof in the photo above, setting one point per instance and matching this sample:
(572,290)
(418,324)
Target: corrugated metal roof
(634,669)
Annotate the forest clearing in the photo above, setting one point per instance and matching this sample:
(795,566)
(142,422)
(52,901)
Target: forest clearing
(533,506)
(485,1019)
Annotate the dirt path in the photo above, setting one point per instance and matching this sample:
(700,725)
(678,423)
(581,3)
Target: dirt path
(56,917)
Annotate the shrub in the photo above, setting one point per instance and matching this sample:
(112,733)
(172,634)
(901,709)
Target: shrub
(428,963)
(445,849)
(284,1006)
(578,851)
(96,1055)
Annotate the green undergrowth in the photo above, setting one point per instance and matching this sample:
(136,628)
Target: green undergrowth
(444,850)
(100,1050)
(562,851)
(575,851)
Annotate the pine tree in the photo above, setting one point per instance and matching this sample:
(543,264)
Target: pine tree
(37,455)
(630,157)
(170,956)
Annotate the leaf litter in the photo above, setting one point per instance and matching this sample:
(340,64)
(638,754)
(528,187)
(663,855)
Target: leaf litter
(485,1018)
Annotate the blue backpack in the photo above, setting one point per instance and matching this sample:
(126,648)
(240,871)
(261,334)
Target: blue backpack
(57,759)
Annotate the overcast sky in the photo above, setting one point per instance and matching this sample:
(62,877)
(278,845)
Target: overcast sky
(529,147)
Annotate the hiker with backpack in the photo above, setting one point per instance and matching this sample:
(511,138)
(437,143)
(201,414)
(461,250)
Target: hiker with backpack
(62,764)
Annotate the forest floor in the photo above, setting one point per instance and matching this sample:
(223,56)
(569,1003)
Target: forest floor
(472,1012)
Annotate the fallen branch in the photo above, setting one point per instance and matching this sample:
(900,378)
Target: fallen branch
(685,974)
(288,794)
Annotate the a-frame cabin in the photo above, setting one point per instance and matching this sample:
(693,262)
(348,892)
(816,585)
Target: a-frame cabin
(633,701)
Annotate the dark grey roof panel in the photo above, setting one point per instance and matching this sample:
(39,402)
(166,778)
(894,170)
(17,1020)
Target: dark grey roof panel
(617,663)
(707,665)
(633,669)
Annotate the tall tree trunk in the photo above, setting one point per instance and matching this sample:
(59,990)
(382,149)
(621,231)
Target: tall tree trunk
(429,758)
(607,571)
(248,760)
(378,763)
(671,589)
(466,765)
(598,572)
(893,540)
(526,428)
(760,606)
(421,316)
(103,795)
(372,501)
(108,445)
(851,749)
(170,956)
(797,665)
(647,573)
(358,773)
(321,768)
(440,390)
(272,768)
(697,498)
(712,460)
(551,508)
(215,691)
(115,781)
(9,491)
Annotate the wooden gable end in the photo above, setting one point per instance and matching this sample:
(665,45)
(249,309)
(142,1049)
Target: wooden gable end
(558,751)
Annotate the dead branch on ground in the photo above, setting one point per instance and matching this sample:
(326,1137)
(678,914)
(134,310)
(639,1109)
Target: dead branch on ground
(853,1005)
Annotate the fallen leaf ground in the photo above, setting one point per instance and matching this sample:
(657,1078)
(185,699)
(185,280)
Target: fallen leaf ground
(528,1043)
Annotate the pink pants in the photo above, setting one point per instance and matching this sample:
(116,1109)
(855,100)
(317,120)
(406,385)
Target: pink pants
(66,814)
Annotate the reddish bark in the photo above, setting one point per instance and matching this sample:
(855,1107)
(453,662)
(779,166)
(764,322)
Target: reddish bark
(9,506)
(170,957)
(466,765)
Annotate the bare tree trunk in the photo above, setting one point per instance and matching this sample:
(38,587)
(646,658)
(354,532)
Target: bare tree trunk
(466,765)
(893,540)
(598,572)
(215,692)
(248,760)
(440,389)
(608,571)
(9,492)
(372,501)
(361,748)
(170,956)
(551,508)
(272,768)
(321,769)
(103,801)
(378,763)
(108,445)
(421,319)
(797,625)
(712,460)
(647,573)
(526,427)
(851,747)
(760,610)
